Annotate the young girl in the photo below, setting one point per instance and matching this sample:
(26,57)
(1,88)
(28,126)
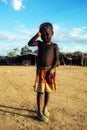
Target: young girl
(47,62)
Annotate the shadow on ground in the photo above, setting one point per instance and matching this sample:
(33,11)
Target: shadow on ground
(19,111)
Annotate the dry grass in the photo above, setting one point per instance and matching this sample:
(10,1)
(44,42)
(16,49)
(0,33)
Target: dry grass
(68,106)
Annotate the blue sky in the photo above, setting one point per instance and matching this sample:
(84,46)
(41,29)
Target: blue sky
(20,20)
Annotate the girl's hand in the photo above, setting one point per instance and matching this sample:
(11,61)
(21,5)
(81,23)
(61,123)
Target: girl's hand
(50,73)
(38,34)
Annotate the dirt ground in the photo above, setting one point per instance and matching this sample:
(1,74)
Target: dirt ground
(68,106)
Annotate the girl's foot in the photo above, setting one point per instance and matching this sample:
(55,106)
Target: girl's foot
(46,112)
(41,117)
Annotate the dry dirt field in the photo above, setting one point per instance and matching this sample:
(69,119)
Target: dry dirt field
(68,106)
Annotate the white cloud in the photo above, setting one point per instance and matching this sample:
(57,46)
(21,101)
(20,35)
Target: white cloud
(17,4)
(75,35)
(56,28)
(9,37)
(7,47)
(69,40)
(78,35)
(73,49)
(75,32)
(26,31)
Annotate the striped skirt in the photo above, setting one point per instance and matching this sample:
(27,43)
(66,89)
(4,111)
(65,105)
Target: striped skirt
(44,83)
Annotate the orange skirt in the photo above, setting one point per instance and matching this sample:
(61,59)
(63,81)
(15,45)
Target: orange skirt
(44,84)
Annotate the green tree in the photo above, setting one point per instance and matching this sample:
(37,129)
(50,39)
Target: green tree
(16,50)
(78,53)
(25,50)
(13,52)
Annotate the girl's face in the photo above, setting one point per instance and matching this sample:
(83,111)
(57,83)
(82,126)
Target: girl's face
(46,34)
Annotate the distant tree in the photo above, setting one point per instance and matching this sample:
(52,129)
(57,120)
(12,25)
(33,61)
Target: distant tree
(13,52)
(78,53)
(16,49)
(25,50)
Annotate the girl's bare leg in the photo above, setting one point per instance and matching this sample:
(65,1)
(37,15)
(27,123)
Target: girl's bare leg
(39,101)
(46,100)
(39,105)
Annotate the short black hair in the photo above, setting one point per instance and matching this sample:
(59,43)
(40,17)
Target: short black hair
(46,24)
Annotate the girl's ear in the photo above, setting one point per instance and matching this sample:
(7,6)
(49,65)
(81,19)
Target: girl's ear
(52,32)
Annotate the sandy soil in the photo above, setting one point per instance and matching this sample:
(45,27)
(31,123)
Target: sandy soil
(68,106)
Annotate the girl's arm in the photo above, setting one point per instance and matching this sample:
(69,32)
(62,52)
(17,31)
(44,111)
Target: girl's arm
(33,41)
(56,59)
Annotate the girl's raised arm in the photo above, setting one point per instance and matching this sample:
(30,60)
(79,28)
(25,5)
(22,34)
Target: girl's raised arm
(33,41)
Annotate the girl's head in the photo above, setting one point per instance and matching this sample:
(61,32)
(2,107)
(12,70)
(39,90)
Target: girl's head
(46,30)
(46,25)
